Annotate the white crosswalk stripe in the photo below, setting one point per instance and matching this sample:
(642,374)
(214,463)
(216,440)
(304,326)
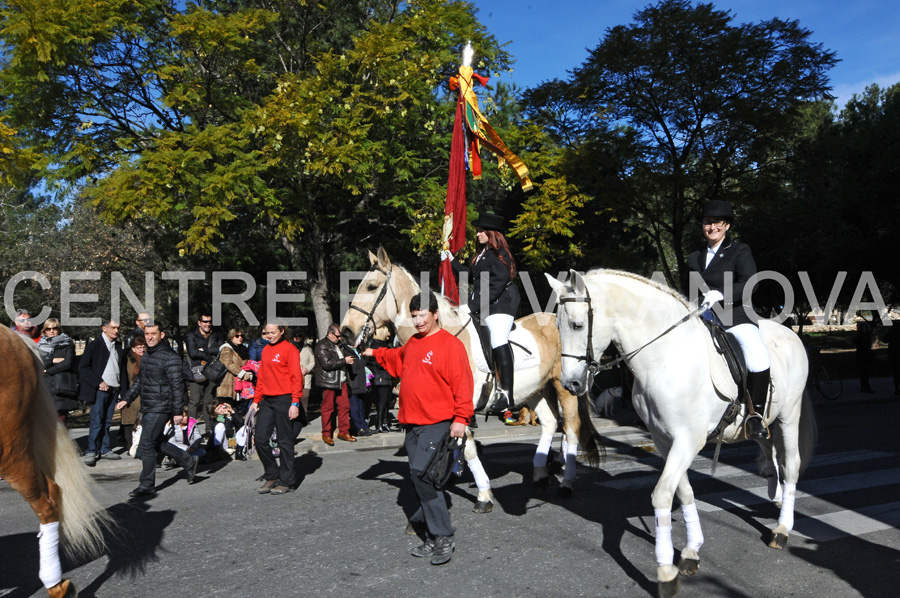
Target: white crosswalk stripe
(810,522)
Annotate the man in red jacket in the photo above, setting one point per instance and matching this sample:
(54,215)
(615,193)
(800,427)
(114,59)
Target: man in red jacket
(279,387)
(435,396)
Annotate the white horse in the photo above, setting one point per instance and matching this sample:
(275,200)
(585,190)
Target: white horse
(681,392)
(382,299)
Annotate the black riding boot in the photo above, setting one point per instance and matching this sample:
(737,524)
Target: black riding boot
(503,358)
(758,388)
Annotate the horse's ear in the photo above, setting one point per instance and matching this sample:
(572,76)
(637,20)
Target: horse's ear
(383,258)
(373,259)
(556,285)
(576,279)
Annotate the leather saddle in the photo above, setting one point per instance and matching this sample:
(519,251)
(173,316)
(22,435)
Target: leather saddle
(727,346)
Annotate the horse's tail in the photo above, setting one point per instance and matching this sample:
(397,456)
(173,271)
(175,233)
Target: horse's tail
(589,440)
(808,432)
(82,519)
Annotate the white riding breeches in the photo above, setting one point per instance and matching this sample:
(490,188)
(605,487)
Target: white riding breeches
(752,344)
(500,326)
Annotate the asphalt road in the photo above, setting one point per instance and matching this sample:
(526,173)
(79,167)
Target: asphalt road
(341,532)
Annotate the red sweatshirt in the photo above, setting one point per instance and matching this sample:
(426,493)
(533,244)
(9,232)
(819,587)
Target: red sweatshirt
(436,380)
(279,372)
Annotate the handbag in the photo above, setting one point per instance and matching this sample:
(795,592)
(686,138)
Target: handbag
(214,370)
(193,373)
(66,385)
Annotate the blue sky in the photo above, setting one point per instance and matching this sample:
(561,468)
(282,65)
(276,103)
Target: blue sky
(549,38)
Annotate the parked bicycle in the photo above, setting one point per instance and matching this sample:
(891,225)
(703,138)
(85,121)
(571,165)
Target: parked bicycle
(828,385)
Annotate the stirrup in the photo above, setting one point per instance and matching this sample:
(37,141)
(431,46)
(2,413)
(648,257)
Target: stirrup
(763,428)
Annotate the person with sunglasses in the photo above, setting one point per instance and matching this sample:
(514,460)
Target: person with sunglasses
(202,344)
(233,354)
(58,354)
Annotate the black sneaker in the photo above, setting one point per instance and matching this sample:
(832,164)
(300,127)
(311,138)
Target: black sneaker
(138,492)
(426,549)
(442,550)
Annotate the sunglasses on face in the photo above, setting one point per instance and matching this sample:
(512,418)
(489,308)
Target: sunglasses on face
(49,328)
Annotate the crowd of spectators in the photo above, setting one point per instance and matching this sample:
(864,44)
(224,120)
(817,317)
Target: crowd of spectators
(192,418)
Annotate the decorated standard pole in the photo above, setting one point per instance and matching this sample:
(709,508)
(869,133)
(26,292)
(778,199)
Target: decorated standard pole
(471,129)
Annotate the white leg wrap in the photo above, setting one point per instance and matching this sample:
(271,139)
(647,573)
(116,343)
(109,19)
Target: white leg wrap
(543,449)
(692,523)
(219,433)
(48,541)
(481,479)
(665,552)
(571,458)
(786,518)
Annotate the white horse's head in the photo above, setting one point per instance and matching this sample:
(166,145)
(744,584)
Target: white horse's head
(581,346)
(375,303)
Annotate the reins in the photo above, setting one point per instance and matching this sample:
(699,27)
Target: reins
(593,365)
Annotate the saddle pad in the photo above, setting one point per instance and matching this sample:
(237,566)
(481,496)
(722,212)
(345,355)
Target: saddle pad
(519,337)
(522,340)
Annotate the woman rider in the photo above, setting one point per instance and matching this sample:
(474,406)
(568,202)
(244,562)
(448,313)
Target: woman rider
(724,256)
(494,300)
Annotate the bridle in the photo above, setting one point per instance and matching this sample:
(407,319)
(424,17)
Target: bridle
(370,321)
(593,366)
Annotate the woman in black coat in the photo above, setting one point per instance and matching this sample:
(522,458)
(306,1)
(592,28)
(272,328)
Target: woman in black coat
(58,355)
(382,383)
(494,300)
(724,258)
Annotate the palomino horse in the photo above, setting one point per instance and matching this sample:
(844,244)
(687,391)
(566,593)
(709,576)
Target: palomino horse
(382,299)
(679,394)
(38,460)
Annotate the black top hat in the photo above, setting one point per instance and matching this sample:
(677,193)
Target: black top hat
(720,210)
(490,221)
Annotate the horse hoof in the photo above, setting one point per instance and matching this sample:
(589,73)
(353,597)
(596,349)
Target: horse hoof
(688,567)
(564,492)
(541,484)
(483,506)
(64,589)
(779,541)
(667,589)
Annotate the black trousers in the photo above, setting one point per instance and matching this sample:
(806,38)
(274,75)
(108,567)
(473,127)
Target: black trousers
(153,440)
(421,442)
(274,415)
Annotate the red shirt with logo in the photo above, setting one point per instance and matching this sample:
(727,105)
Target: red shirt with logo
(279,372)
(436,379)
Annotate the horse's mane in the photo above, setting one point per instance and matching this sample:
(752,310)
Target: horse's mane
(651,283)
(448,313)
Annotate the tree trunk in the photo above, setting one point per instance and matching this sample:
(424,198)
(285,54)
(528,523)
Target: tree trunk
(318,284)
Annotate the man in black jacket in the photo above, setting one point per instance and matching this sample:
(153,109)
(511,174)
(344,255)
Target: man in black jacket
(160,385)
(99,371)
(331,376)
(202,345)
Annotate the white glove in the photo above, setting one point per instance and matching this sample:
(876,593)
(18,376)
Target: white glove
(446,255)
(712,297)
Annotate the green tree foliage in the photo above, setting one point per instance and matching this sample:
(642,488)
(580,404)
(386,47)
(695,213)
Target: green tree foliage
(698,108)
(320,124)
(836,211)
